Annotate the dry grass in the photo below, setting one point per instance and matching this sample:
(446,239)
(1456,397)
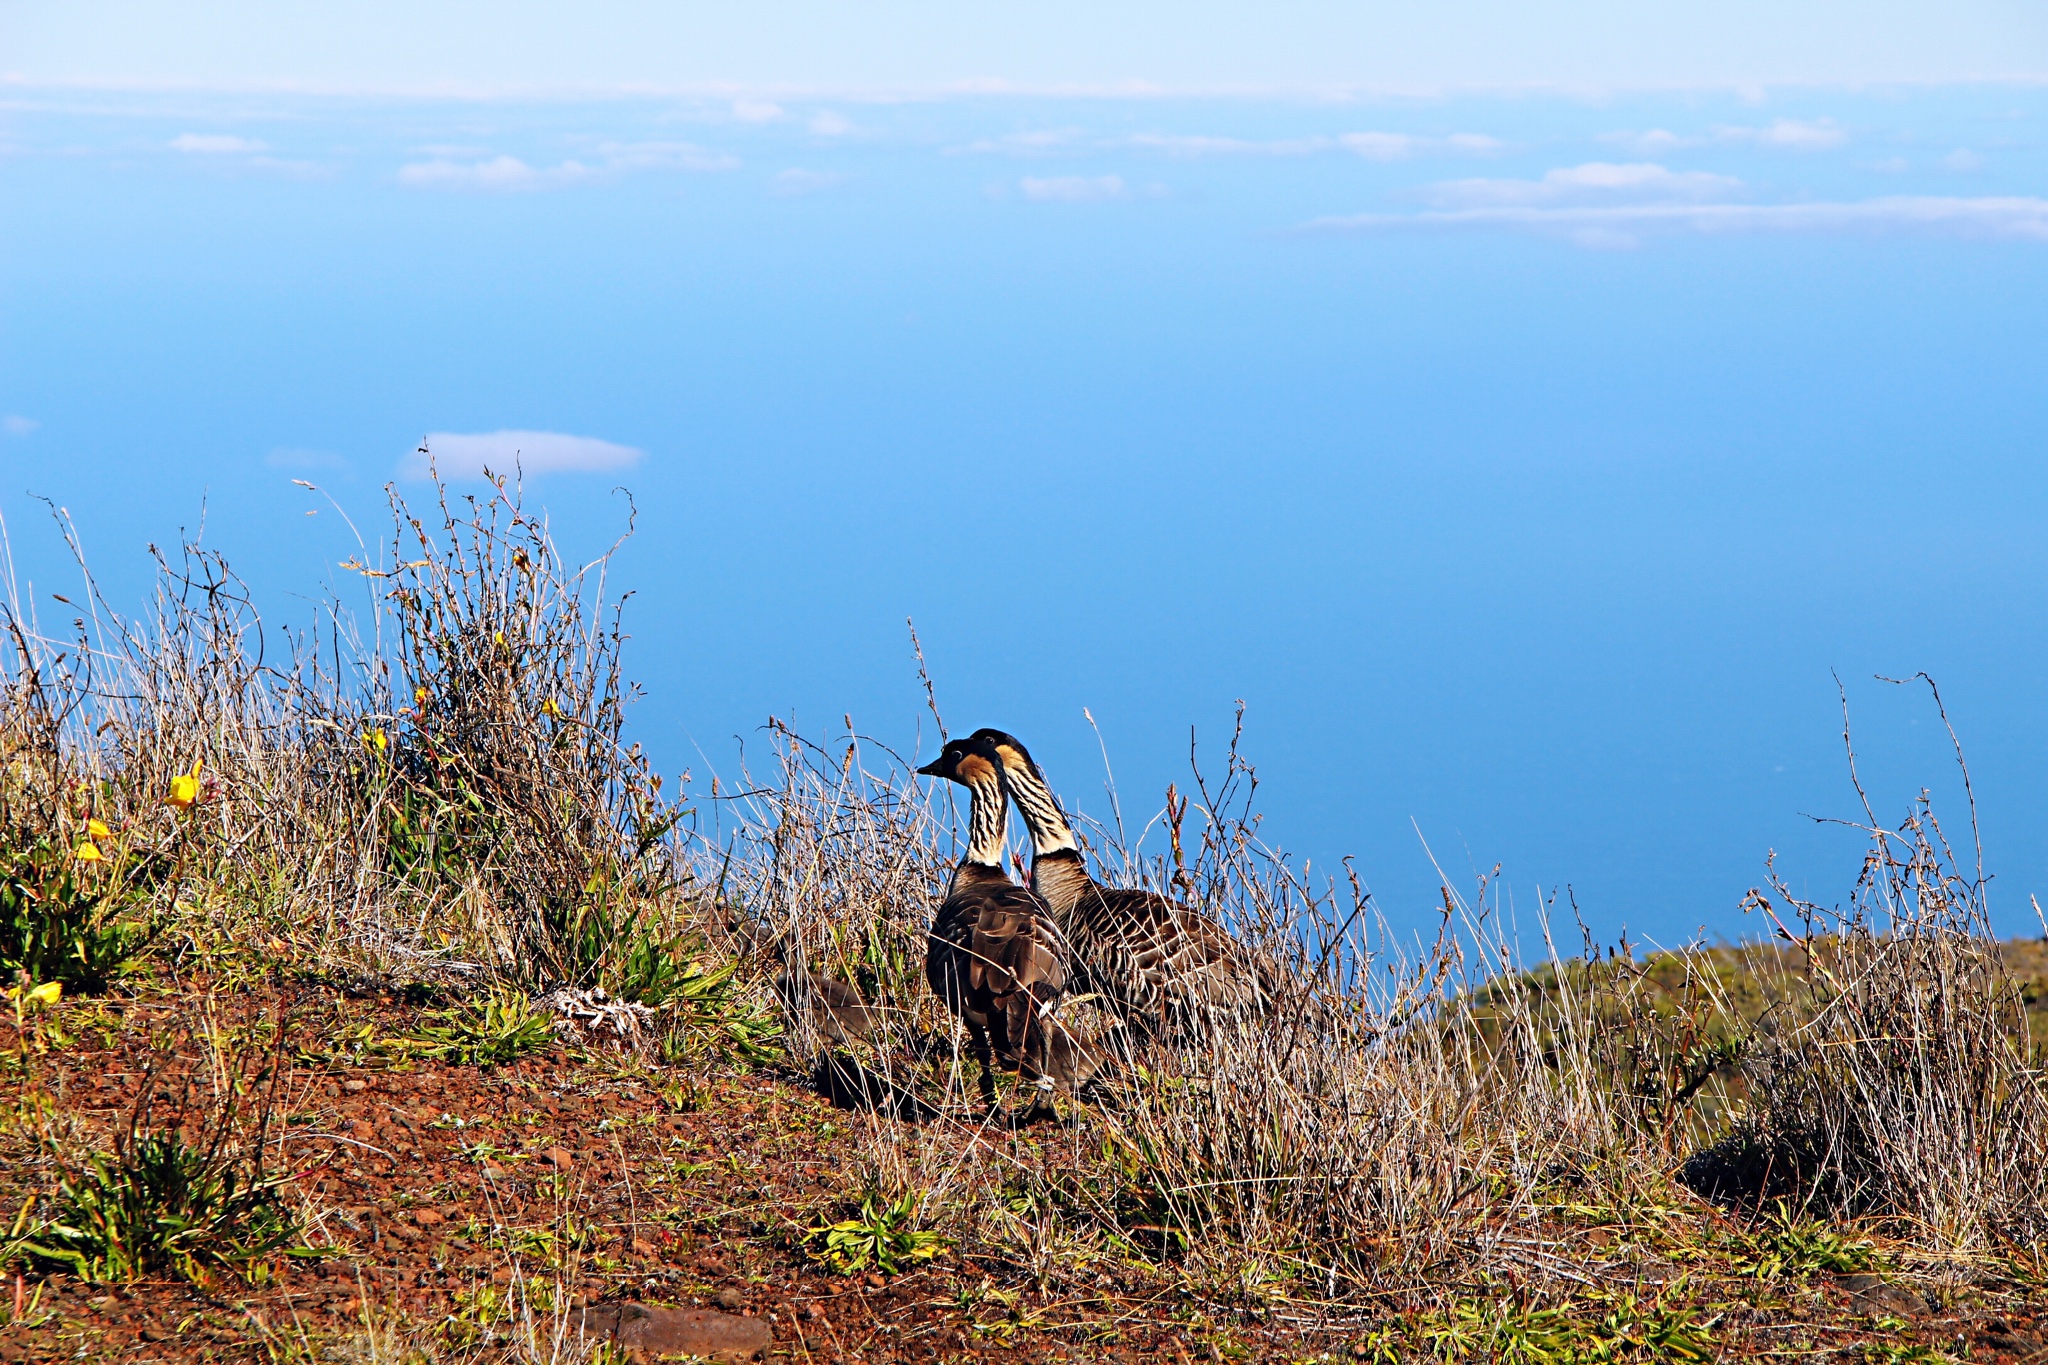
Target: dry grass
(437,787)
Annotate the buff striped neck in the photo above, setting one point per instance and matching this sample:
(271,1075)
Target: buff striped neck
(1050,832)
(984,815)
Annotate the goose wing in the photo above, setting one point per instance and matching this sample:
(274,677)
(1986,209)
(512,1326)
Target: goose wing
(997,959)
(1155,957)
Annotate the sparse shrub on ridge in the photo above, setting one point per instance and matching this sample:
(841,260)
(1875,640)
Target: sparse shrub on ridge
(437,786)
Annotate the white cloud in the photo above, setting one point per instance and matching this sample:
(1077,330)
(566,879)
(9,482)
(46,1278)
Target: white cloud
(1891,165)
(498,173)
(1073,189)
(1192,145)
(217,144)
(1475,144)
(14,424)
(828,124)
(1037,142)
(1401,146)
(1785,134)
(1791,134)
(796,180)
(1379,146)
(1655,142)
(1622,225)
(1371,146)
(756,111)
(510,173)
(1963,159)
(1591,182)
(466,455)
(664,156)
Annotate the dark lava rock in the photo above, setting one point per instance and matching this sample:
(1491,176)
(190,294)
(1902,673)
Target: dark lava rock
(1874,1295)
(680,1331)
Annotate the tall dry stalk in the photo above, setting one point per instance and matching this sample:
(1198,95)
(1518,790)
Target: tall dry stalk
(441,784)
(1894,1080)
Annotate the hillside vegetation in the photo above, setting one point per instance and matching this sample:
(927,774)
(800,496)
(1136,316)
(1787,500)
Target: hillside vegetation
(372,999)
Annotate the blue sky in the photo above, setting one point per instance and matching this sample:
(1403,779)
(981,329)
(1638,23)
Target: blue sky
(1525,410)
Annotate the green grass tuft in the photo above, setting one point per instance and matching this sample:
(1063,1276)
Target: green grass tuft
(161,1204)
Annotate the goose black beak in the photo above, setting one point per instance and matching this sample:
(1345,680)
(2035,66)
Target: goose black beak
(931,769)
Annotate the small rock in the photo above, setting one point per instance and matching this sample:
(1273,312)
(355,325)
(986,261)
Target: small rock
(643,1247)
(427,1218)
(731,1300)
(1873,1295)
(680,1331)
(355,1087)
(494,1172)
(558,1158)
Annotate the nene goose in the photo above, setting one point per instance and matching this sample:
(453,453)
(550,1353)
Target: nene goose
(994,953)
(1164,967)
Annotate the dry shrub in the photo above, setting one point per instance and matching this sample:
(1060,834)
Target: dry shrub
(505,766)
(430,786)
(1893,1080)
(1365,1130)
(1403,1123)
(439,785)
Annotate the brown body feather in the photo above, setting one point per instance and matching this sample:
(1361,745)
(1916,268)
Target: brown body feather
(994,953)
(1163,965)
(996,960)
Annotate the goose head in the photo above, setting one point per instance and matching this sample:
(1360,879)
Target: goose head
(1007,750)
(971,762)
(1024,783)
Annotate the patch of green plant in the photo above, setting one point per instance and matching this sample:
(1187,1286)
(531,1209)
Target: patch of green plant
(1616,1328)
(878,962)
(500,1027)
(353,1045)
(707,1006)
(159,1203)
(1380,1346)
(65,919)
(1788,1247)
(1897,1352)
(551,1247)
(1150,1201)
(431,819)
(883,1235)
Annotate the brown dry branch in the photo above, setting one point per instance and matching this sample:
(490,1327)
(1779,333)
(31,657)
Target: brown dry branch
(439,787)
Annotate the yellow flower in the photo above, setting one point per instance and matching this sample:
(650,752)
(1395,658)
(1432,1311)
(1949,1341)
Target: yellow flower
(419,696)
(47,994)
(375,738)
(548,708)
(499,636)
(87,852)
(97,829)
(184,789)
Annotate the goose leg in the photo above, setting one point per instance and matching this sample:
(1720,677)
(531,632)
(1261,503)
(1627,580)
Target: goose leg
(978,1047)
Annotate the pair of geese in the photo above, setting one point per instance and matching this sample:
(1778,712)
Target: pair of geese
(1004,956)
